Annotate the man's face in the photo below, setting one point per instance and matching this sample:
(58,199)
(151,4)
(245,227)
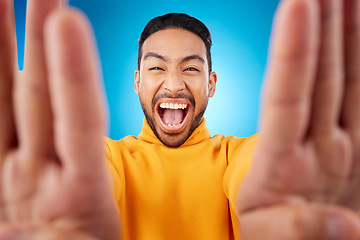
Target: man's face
(174,84)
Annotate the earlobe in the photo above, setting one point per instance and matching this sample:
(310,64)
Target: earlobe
(137,81)
(212,83)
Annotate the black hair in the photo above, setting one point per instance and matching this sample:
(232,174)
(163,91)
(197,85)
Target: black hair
(177,20)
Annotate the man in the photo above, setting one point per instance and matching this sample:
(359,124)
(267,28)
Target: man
(174,181)
(305,171)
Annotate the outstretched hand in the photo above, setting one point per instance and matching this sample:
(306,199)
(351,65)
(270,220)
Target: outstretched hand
(305,179)
(54,182)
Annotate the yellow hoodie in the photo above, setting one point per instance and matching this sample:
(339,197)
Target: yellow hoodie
(186,193)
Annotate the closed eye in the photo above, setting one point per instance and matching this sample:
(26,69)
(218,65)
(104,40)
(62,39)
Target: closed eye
(191,69)
(156,68)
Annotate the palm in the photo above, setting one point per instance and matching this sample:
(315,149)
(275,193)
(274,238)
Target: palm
(317,169)
(61,197)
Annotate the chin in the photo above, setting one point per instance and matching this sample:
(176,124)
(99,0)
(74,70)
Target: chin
(173,139)
(173,120)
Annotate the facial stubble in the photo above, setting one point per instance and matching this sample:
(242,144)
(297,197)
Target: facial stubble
(195,123)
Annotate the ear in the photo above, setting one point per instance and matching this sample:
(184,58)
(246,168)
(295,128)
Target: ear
(212,83)
(137,81)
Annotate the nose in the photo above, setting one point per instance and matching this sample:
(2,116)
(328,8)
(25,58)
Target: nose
(173,83)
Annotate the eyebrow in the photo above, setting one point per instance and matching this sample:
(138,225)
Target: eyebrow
(185,59)
(193,57)
(155,55)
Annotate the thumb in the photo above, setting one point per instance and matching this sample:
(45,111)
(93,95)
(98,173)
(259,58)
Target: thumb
(300,220)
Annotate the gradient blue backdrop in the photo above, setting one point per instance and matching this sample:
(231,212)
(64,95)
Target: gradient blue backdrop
(240,31)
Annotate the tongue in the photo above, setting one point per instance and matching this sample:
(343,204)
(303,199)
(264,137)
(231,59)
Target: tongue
(173,116)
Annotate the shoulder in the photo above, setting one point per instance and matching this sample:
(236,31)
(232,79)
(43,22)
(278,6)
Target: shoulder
(240,148)
(232,142)
(116,148)
(124,142)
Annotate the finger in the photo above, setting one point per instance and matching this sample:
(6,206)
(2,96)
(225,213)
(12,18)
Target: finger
(299,221)
(351,114)
(293,57)
(76,91)
(7,128)
(33,112)
(64,3)
(329,81)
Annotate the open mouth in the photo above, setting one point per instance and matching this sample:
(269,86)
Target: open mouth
(173,114)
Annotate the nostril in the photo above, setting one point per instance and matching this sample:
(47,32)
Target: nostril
(174,91)
(174,85)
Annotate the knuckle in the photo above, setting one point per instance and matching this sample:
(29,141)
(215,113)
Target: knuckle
(305,224)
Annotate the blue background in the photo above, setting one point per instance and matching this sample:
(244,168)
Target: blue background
(240,31)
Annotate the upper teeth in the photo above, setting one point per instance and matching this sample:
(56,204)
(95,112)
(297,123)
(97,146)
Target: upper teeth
(173,105)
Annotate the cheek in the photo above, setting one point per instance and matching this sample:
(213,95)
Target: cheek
(148,88)
(153,78)
(199,89)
